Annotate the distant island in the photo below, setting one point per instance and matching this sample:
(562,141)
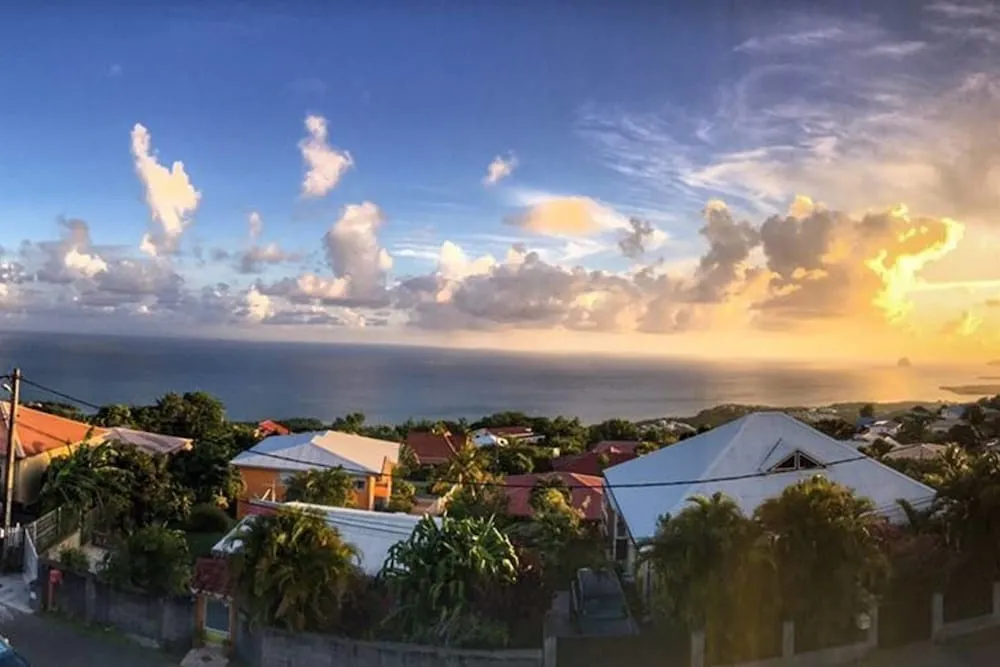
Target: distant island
(973,389)
(995,362)
(904,362)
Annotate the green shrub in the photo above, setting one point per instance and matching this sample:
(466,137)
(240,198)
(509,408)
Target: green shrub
(152,559)
(74,559)
(208,518)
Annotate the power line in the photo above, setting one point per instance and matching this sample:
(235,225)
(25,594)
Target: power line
(62,395)
(632,485)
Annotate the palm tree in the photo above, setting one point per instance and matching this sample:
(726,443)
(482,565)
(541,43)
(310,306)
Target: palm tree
(293,571)
(83,478)
(323,487)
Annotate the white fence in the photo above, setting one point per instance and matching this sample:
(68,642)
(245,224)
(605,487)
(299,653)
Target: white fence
(30,559)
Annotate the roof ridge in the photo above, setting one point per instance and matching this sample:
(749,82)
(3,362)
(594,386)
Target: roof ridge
(743,421)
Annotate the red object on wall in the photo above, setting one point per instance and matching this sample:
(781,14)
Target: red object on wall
(55,576)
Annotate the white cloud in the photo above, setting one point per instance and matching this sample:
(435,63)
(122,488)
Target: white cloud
(258,307)
(85,265)
(324,164)
(169,193)
(499,169)
(454,264)
(354,252)
(256,225)
(566,216)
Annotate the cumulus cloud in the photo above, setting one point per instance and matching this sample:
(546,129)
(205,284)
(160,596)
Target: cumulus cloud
(324,165)
(641,238)
(499,169)
(566,216)
(829,264)
(171,197)
(255,258)
(359,263)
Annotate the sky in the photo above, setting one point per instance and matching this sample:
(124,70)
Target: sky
(800,180)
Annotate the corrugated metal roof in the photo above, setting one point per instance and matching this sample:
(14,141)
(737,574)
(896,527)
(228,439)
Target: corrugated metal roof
(152,443)
(317,450)
(373,534)
(745,447)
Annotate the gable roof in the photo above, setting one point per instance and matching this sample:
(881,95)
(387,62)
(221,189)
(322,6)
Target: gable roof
(37,432)
(431,448)
(744,451)
(322,449)
(586,493)
(372,533)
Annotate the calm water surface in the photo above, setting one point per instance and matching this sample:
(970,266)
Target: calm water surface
(390,384)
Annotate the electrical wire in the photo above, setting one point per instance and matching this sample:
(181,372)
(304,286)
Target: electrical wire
(60,394)
(486,484)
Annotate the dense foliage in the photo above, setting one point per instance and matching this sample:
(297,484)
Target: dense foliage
(293,571)
(439,575)
(331,487)
(153,559)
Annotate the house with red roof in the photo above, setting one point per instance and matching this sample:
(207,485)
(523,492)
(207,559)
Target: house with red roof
(586,493)
(431,449)
(269,427)
(594,462)
(616,446)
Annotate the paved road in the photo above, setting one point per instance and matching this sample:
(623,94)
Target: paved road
(49,642)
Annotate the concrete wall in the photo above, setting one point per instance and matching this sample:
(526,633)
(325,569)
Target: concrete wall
(273,648)
(167,622)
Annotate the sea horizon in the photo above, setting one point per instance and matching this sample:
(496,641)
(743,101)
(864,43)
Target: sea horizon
(392,383)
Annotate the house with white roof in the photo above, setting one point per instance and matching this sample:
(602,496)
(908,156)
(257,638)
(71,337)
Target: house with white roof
(373,534)
(267,466)
(749,460)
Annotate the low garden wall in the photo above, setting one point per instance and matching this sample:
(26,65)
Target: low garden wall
(265,647)
(167,622)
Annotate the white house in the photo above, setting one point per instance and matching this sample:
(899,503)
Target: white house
(750,460)
(373,534)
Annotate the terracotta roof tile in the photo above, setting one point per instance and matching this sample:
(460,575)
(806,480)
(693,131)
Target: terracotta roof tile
(272,427)
(431,448)
(37,432)
(586,493)
(589,463)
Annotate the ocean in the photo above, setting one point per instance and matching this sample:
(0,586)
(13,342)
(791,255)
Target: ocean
(390,384)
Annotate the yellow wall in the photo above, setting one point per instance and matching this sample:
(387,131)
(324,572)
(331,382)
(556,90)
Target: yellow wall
(28,474)
(258,481)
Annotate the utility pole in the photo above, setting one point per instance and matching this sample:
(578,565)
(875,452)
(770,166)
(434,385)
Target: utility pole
(8,471)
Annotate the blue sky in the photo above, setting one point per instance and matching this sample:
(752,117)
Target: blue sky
(646,110)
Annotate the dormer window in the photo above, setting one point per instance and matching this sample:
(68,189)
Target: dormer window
(795,461)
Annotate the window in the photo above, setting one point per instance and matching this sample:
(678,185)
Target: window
(360,484)
(286,477)
(795,461)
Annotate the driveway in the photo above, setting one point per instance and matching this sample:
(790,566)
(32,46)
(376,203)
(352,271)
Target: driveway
(51,642)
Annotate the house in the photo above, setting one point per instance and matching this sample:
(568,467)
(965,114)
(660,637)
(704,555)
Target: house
(616,446)
(592,462)
(501,436)
(269,427)
(954,413)
(586,493)
(372,534)
(151,443)
(750,460)
(39,437)
(266,466)
(431,448)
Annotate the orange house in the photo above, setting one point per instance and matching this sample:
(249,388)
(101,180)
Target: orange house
(266,467)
